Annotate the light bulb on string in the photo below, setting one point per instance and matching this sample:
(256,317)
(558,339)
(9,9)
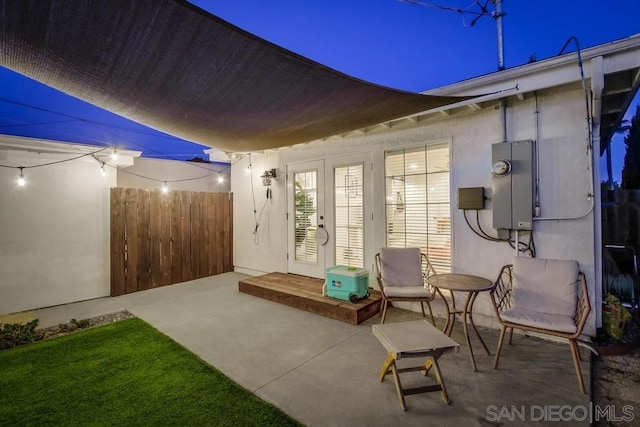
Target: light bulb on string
(21,180)
(165,188)
(103,171)
(114,155)
(220,179)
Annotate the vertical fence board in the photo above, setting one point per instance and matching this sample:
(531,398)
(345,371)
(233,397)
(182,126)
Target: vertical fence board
(176,239)
(220,232)
(144,240)
(165,239)
(211,220)
(204,240)
(227,226)
(185,235)
(155,264)
(117,242)
(159,239)
(131,229)
(196,235)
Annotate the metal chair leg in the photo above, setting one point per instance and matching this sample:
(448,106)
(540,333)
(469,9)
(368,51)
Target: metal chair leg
(499,349)
(384,310)
(576,363)
(433,319)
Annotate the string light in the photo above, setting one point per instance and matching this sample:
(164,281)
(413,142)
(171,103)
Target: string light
(165,188)
(114,155)
(21,180)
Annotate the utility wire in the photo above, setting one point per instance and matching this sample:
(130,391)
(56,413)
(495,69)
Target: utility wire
(93,153)
(21,124)
(81,119)
(169,181)
(94,123)
(530,247)
(464,12)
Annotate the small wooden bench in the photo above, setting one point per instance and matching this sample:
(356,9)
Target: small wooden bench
(409,340)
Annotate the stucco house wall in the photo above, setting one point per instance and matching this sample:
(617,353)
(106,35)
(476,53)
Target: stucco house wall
(55,238)
(561,132)
(54,245)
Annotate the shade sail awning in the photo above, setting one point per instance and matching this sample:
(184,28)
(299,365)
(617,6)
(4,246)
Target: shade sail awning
(176,68)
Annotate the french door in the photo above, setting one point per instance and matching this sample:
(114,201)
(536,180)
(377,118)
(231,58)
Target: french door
(329,214)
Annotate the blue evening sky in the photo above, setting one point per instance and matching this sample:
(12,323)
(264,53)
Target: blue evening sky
(389,42)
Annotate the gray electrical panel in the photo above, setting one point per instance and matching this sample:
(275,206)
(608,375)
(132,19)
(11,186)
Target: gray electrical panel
(512,185)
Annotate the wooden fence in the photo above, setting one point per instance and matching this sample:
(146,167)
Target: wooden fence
(621,228)
(621,218)
(159,239)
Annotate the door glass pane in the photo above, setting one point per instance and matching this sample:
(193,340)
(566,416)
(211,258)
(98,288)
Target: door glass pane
(349,215)
(306,219)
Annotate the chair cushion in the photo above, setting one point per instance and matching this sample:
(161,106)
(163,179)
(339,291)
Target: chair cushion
(552,322)
(401,267)
(545,285)
(407,292)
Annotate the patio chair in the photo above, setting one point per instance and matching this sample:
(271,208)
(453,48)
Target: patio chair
(543,296)
(402,274)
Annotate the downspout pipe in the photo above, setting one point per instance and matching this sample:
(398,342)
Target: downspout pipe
(536,150)
(597,89)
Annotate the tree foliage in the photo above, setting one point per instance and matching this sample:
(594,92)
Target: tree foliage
(631,168)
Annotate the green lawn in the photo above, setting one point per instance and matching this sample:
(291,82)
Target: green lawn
(124,373)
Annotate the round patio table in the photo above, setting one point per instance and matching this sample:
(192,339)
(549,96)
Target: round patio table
(473,285)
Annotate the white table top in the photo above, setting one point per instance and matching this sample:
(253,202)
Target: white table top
(410,339)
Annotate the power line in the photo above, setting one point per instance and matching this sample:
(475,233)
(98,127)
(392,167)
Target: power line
(97,124)
(483,11)
(20,124)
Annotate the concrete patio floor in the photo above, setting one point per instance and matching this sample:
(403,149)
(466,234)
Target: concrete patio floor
(324,372)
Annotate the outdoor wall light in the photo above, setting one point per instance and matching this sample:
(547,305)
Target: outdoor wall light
(267,176)
(21,180)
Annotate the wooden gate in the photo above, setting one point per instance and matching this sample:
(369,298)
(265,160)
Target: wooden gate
(159,239)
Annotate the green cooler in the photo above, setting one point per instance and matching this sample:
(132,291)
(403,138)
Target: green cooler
(347,283)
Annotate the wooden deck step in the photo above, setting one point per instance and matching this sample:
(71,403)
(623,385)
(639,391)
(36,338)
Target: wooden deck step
(305,293)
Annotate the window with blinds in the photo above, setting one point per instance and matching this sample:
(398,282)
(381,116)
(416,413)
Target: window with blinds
(306,219)
(418,202)
(349,215)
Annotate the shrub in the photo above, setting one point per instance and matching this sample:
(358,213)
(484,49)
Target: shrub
(15,334)
(81,324)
